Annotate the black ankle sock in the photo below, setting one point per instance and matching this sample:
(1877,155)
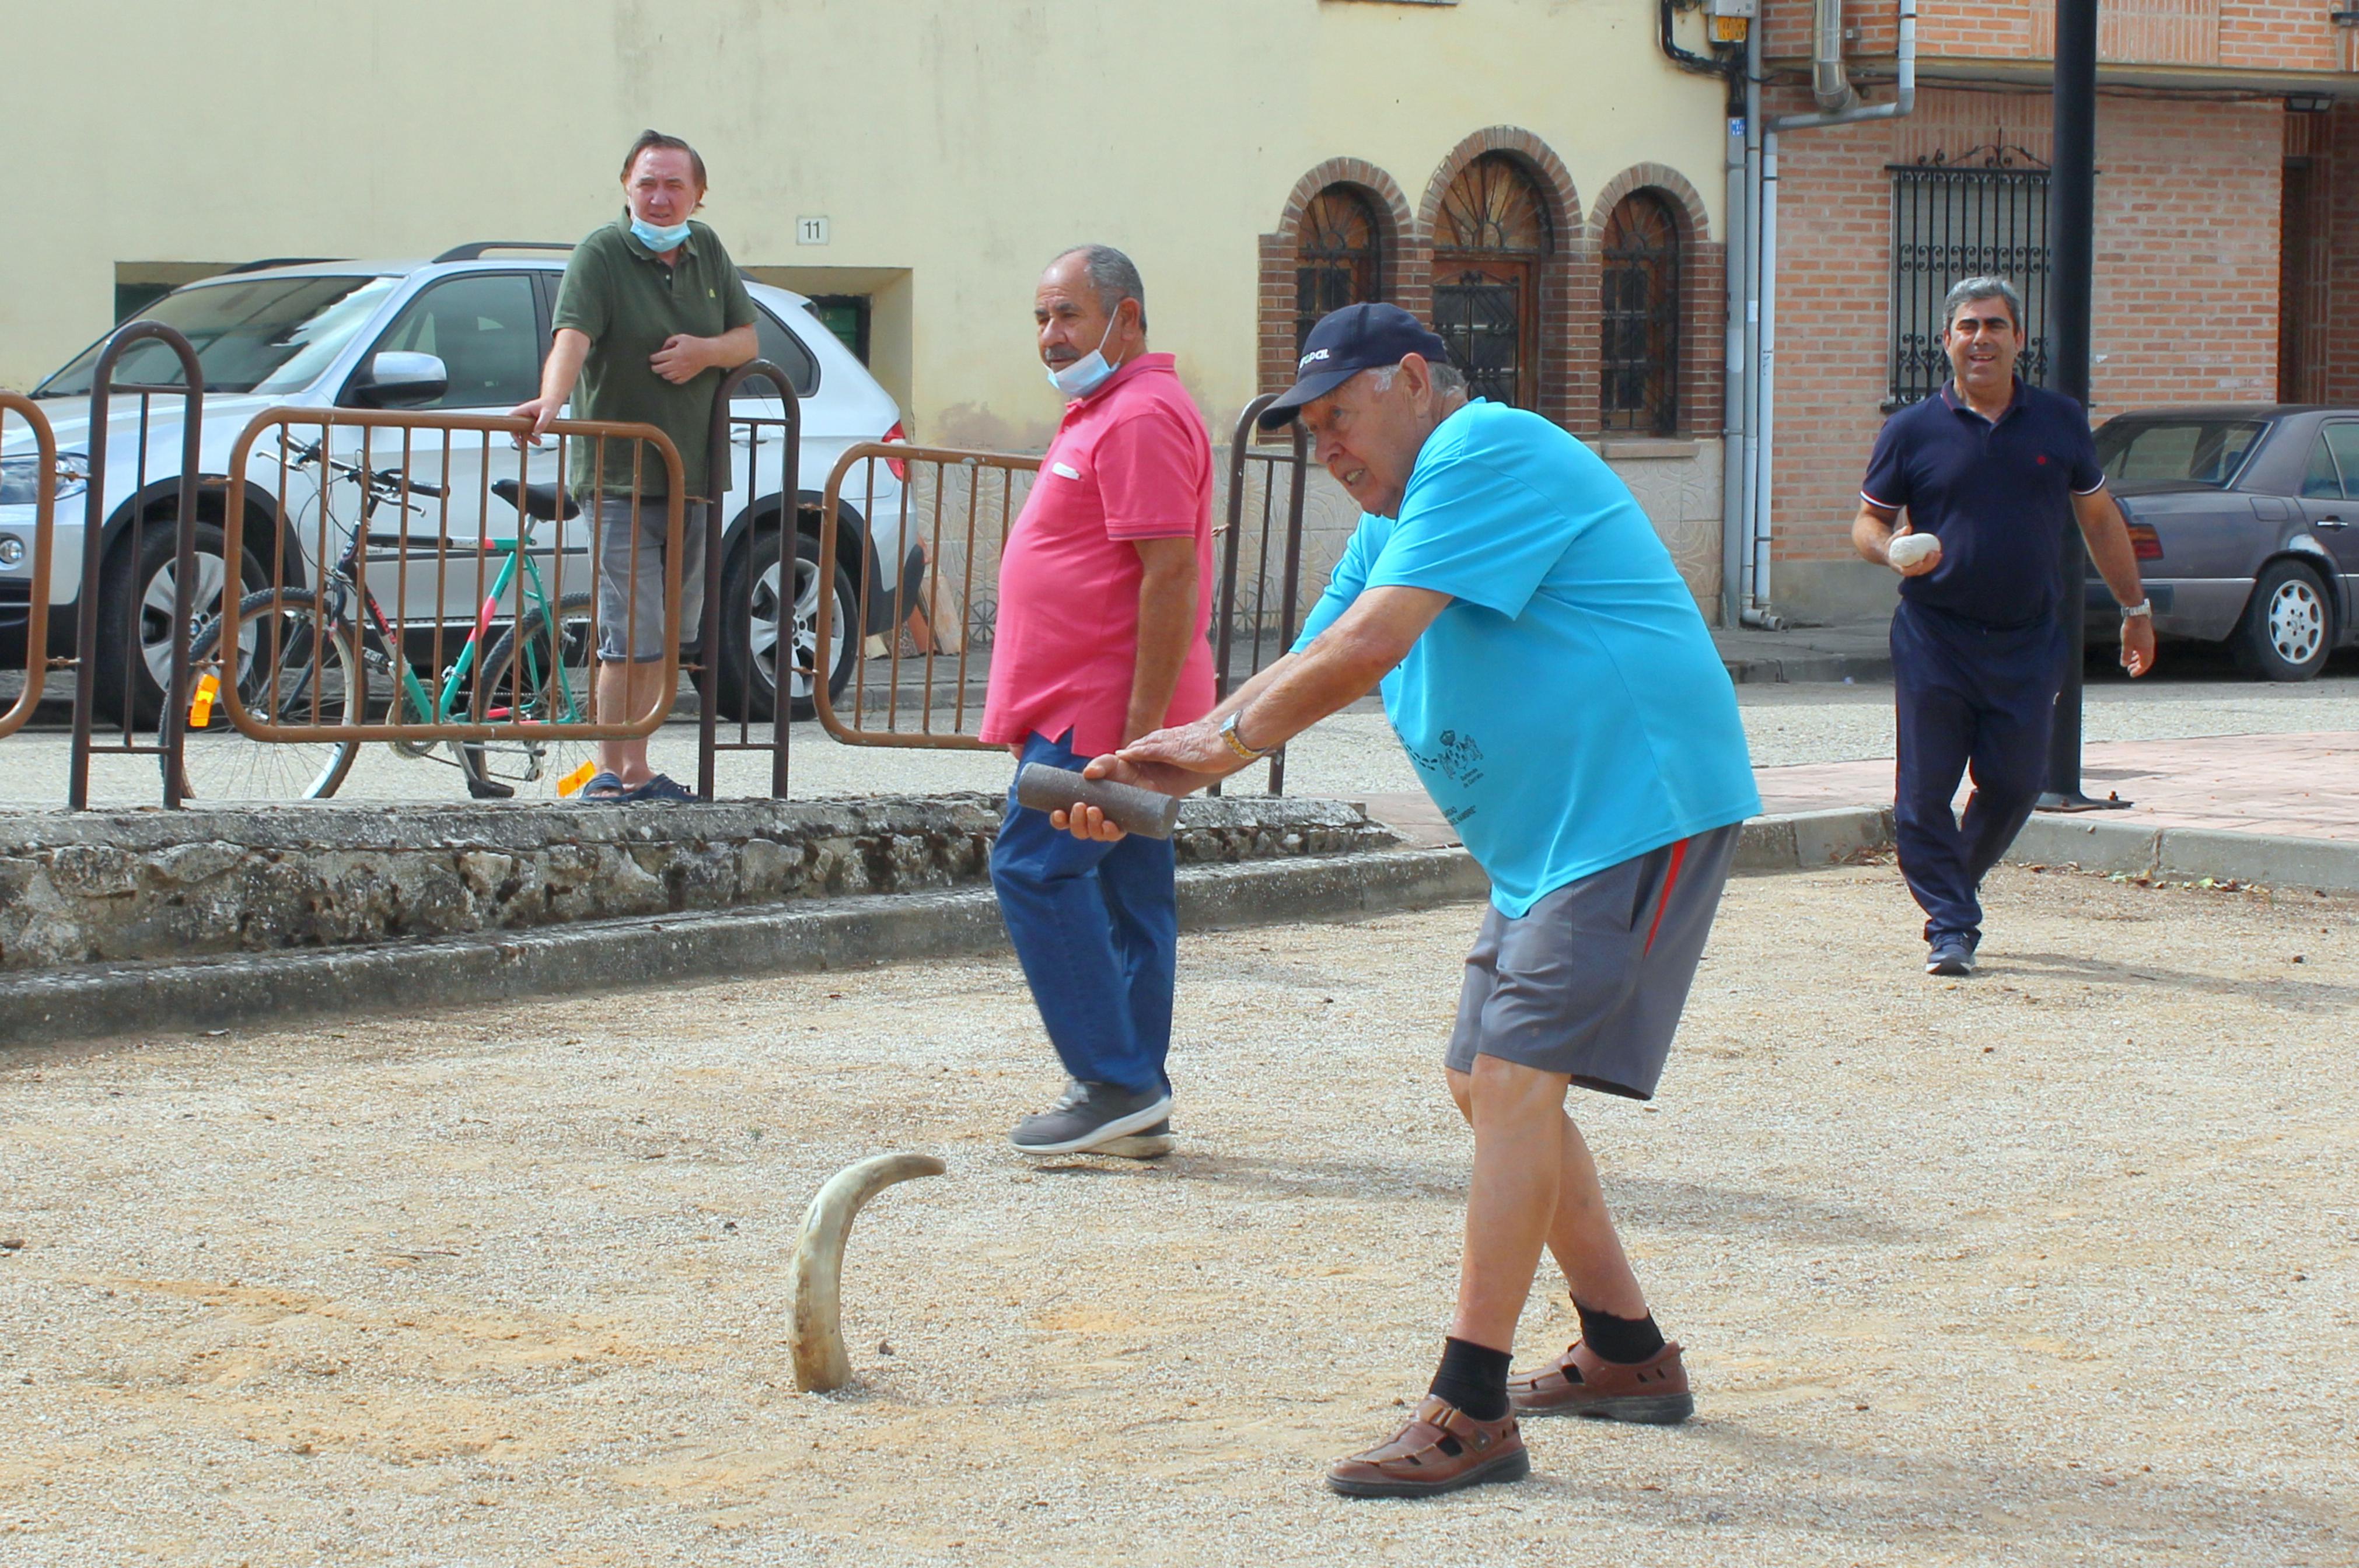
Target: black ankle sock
(1625,1340)
(1474,1378)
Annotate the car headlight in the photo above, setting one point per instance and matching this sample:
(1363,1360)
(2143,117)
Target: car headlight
(20,477)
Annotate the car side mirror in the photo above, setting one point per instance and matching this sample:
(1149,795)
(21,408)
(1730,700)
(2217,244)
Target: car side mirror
(399,379)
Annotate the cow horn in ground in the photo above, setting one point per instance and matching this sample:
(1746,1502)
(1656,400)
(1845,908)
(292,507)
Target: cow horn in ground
(815,1274)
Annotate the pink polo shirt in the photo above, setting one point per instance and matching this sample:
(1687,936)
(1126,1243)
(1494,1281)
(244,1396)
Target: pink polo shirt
(1130,461)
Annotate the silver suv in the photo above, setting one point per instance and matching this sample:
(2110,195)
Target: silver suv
(310,334)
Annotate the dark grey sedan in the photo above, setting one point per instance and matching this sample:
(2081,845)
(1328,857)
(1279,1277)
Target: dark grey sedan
(2243,516)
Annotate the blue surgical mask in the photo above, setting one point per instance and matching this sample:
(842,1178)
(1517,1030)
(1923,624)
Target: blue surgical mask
(1085,374)
(656,239)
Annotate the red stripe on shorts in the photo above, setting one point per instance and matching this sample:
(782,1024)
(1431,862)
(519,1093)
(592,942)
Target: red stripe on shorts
(1670,880)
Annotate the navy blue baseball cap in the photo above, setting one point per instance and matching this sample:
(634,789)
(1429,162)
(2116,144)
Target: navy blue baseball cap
(1344,343)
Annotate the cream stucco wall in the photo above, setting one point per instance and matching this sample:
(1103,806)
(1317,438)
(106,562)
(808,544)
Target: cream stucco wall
(954,144)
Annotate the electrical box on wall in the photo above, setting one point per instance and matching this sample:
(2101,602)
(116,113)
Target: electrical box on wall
(1729,19)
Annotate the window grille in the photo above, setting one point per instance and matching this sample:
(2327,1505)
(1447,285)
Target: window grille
(1489,247)
(1337,264)
(1958,220)
(1639,353)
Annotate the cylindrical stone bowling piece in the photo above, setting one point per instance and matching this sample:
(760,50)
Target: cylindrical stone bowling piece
(1128,807)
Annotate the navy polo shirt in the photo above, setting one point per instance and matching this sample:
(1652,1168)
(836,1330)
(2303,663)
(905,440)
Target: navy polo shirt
(1998,494)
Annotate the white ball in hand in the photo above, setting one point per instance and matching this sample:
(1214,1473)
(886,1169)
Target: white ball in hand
(1909,549)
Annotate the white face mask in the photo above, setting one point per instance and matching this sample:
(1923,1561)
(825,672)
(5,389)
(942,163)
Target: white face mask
(1086,375)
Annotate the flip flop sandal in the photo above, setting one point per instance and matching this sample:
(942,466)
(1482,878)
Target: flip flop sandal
(1441,1450)
(603,787)
(663,787)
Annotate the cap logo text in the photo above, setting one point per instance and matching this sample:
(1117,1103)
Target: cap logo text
(1312,358)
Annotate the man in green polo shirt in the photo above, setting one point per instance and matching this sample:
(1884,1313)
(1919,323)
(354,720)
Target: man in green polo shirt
(651,314)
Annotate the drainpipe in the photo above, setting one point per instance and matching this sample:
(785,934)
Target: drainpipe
(1840,106)
(1743,147)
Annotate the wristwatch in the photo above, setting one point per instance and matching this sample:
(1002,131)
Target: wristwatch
(1237,743)
(2142,607)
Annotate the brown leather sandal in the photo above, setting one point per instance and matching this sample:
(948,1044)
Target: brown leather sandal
(1582,1382)
(1442,1449)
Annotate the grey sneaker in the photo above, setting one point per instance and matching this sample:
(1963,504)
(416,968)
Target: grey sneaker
(1952,954)
(1148,1143)
(1091,1116)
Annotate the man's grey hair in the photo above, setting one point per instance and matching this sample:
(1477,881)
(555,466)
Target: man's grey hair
(1114,276)
(1448,379)
(1967,290)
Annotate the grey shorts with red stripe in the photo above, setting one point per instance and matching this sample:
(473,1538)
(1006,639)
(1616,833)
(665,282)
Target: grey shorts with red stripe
(1591,981)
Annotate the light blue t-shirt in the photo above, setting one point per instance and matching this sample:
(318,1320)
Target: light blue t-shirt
(1568,710)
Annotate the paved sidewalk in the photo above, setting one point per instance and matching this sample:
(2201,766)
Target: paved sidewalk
(2296,786)
(1852,650)
(2288,786)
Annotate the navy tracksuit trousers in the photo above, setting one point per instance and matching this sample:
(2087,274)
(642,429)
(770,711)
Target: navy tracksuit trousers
(1973,699)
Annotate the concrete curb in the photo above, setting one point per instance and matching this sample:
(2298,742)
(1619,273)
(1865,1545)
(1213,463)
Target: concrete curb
(1863,669)
(246,990)
(2189,854)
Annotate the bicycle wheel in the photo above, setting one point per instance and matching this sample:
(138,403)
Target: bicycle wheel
(534,676)
(291,671)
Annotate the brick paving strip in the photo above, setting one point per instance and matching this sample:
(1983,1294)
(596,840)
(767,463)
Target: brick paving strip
(2287,785)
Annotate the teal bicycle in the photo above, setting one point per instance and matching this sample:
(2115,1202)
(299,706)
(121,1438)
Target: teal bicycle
(315,656)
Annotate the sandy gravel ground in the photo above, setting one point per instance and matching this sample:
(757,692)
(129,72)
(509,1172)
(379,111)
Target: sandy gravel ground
(2055,1266)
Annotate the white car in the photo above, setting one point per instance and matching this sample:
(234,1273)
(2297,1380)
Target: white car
(310,334)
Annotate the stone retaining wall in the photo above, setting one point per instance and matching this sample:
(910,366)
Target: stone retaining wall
(90,888)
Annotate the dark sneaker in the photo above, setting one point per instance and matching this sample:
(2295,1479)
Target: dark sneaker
(1088,1117)
(1442,1449)
(1148,1143)
(1951,955)
(1582,1382)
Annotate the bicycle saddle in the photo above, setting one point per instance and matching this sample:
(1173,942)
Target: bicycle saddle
(541,501)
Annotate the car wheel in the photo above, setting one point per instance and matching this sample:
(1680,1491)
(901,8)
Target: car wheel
(135,615)
(2288,628)
(759,616)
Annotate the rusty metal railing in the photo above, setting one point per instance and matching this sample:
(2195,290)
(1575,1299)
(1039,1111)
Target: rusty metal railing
(963,504)
(136,613)
(36,583)
(511,653)
(1242,640)
(713,647)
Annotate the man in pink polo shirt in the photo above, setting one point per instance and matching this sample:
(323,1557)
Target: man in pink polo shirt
(1104,592)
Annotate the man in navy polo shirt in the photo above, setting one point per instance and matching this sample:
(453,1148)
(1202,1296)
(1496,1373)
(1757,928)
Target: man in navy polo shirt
(1990,471)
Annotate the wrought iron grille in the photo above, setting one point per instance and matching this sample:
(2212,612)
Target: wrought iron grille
(1951,221)
(1482,317)
(1338,258)
(1638,379)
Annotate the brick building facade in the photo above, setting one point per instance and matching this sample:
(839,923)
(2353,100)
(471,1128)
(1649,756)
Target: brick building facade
(2227,228)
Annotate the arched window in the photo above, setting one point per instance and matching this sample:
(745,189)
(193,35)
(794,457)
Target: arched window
(1336,263)
(1488,247)
(1640,384)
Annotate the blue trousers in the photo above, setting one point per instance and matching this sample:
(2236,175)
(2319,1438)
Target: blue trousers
(1971,699)
(1097,929)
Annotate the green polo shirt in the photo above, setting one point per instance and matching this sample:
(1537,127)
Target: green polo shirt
(626,303)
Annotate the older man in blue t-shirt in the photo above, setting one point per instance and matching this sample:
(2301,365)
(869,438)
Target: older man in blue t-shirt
(1547,673)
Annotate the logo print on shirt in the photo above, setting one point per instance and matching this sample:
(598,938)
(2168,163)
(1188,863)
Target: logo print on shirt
(1459,760)
(2043,459)
(1064,471)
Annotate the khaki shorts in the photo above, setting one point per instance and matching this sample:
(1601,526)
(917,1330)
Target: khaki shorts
(1591,981)
(631,591)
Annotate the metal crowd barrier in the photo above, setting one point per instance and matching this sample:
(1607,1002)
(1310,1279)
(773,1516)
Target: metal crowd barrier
(1242,643)
(36,585)
(516,648)
(963,503)
(137,530)
(711,646)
